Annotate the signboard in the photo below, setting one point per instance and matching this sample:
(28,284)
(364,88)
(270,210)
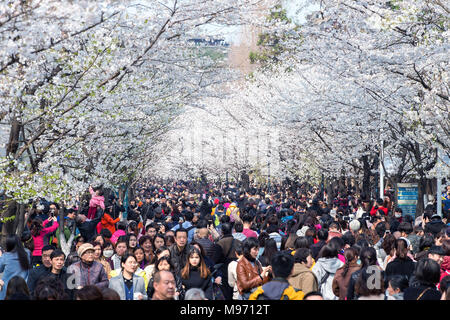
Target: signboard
(407,197)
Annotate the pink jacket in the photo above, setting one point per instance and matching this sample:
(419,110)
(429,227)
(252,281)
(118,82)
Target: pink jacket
(96,201)
(39,240)
(116,235)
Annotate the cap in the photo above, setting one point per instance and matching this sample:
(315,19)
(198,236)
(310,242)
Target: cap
(302,231)
(354,225)
(83,248)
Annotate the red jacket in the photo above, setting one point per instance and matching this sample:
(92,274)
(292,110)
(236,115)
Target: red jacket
(374,210)
(107,223)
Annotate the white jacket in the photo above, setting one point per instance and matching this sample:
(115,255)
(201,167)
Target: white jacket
(324,270)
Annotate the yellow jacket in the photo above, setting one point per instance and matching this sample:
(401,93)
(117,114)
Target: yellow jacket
(287,294)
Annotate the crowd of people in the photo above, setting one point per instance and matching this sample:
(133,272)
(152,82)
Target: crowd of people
(182,241)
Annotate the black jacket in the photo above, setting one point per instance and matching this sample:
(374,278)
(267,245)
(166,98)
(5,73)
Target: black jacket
(413,293)
(88,228)
(195,281)
(316,247)
(34,275)
(434,227)
(404,267)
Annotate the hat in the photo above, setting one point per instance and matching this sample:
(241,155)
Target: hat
(354,225)
(408,243)
(302,231)
(437,250)
(83,248)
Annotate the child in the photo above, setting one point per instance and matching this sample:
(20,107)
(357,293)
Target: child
(97,200)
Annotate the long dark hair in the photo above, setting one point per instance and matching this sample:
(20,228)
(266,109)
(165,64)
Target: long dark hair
(202,268)
(350,254)
(270,248)
(17,285)
(36,227)
(13,244)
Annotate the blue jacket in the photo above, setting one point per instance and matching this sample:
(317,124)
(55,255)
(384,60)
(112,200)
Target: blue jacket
(10,266)
(186,225)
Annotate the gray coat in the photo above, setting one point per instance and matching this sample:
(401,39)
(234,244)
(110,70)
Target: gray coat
(118,285)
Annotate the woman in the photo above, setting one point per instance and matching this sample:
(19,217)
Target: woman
(388,247)
(196,274)
(366,291)
(127,284)
(99,257)
(14,262)
(17,289)
(139,254)
(107,222)
(100,239)
(38,232)
(270,249)
(73,255)
(161,252)
(325,269)
(145,242)
(132,242)
(402,264)
(158,241)
(368,258)
(343,274)
(302,278)
(425,244)
(164,263)
(250,274)
(427,274)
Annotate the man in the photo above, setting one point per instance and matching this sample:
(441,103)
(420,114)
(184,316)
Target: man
(446,199)
(87,271)
(187,225)
(433,223)
(164,285)
(58,271)
(147,210)
(133,212)
(436,253)
(334,231)
(238,231)
(279,288)
(203,239)
(42,270)
(180,249)
(247,222)
(378,206)
(406,231)
(272,230)
(301,277)
(87,228)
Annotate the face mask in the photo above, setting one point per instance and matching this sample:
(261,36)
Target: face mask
(108,253)
(398,215)
(358,262)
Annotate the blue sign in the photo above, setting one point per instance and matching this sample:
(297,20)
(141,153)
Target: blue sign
(407,197)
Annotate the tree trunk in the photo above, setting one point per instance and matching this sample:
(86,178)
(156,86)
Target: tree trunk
(8,226)
(365,192)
